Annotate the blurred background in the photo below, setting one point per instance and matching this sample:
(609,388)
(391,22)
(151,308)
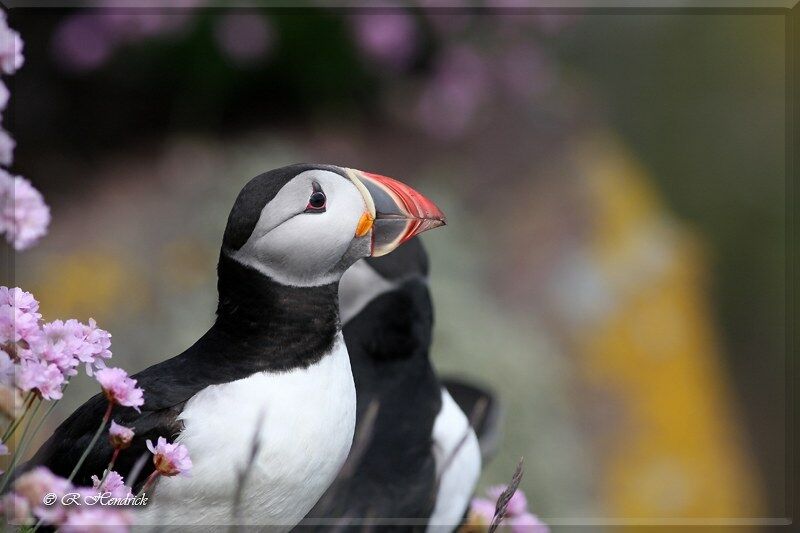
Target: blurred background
(614,260)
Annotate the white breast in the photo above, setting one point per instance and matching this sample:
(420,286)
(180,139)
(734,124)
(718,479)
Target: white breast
(458,465)
(307,430)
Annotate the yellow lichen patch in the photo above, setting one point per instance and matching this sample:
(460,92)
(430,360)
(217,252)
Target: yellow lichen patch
(655,349)
(88,284)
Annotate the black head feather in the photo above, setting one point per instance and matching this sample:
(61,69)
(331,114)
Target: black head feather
(257,193)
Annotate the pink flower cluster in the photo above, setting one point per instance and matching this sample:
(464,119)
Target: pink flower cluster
(42,357)
(10,47)
(24,505)
(19,316)
(88,39)
(465,75)
(10,60)
(518,518)
(24,216)
(97,520)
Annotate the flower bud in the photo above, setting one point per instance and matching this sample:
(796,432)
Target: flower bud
(120,436)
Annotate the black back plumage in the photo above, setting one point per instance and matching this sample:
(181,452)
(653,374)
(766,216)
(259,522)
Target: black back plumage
(394,476)
(261,326)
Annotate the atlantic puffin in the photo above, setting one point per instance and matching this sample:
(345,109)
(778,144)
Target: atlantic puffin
(420,459)
(274,360)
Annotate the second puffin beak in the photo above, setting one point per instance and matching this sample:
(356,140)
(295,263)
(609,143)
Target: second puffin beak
(395,212)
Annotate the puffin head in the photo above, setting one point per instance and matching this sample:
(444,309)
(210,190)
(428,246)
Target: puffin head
(304,225)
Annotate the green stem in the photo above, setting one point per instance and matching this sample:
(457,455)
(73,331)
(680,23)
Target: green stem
(88,449)
(20,449)
(109,467)
(25,442)
(34,398)
(27,402)
(24,446)
(147,484)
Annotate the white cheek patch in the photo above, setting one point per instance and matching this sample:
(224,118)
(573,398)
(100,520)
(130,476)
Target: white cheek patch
(303,249)
(306,249)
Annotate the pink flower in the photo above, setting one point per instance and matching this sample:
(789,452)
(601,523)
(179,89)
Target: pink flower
(386,37)
(94,347)
(81,42)
(481,511)
(170,459)
(10,47)
(64,344)
(7,369)
(35,484)
(20,299)
(517,517)
(97,520)
(24,216)
(45,378)
(87,40)
(120,436)
(64,334)
(16,509)
(19,316)
(113,484)
(68,343)
(517,505)
(119,388)
(58,343)
(7,146)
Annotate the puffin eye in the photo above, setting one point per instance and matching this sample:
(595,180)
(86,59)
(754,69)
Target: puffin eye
(316,202)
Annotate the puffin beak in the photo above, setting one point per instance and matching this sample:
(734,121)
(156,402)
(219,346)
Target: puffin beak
(395,212)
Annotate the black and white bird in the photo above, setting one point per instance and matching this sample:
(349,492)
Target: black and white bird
(274,361)
(419,460)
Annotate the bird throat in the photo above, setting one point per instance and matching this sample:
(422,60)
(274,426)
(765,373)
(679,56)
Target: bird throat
(273,325)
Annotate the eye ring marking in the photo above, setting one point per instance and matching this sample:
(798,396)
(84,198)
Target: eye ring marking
(317,200)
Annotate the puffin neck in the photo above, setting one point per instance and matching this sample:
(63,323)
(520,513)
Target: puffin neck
(297,324)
